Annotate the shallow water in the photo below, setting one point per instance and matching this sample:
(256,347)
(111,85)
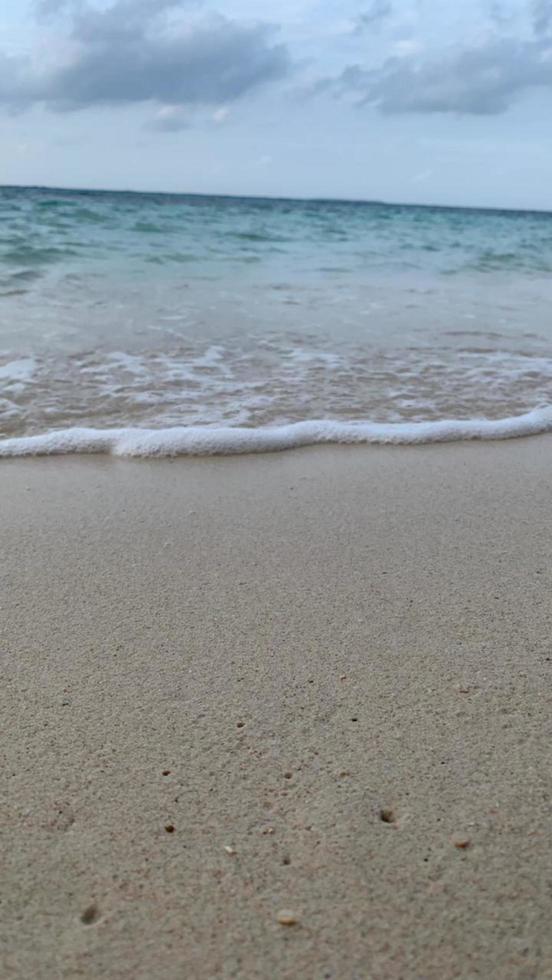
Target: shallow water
(156,311)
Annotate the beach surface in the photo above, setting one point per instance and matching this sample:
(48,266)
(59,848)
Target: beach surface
(315,683)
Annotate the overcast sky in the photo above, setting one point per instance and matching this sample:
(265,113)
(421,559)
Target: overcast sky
(445,101)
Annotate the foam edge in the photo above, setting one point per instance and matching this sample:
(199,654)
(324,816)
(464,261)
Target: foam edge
(205,441)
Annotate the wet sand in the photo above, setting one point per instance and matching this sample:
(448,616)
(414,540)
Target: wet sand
(317,681)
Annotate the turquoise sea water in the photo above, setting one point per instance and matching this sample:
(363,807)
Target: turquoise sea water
(152,311)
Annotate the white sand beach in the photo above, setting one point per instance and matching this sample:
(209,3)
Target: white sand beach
(317,682)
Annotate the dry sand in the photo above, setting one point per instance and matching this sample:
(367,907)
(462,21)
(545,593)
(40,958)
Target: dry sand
(325,670)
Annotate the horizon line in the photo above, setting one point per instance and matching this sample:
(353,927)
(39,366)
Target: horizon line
(276,197)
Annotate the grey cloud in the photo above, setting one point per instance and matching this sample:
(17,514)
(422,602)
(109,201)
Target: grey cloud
(129,53)
(14,82)
(499,14)
(46,9)
(378,11)
(480,81)
(121,10)
(212,63)
(542,16)
(124,18)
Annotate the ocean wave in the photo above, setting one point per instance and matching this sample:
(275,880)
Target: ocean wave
(205,441)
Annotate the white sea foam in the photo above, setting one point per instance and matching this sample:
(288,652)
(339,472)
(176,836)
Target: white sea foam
(20,369)
(273,381)
(205,441)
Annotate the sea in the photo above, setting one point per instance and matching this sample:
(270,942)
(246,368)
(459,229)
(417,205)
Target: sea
(155,324)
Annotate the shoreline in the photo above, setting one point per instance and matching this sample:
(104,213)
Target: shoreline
(327,670)
(192,440)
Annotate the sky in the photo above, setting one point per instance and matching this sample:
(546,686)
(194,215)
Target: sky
(419,101)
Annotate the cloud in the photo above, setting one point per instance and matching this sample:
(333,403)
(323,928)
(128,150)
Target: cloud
(118,13)
(175,118)
(220,115)
(485,80)
(14,82)
(170,119)
(48,8)
(542,16)
(137,51)
(123,19)
(501,15)
(375,13)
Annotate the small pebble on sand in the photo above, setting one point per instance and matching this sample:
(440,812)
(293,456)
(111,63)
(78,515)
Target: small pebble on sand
(460,841)
(229,850)
(90,914)
(286,917)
